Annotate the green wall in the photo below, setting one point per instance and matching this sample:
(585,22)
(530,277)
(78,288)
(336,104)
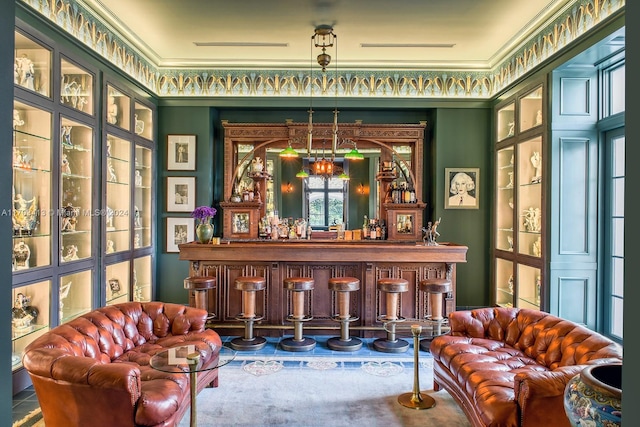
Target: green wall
(170,271)
(455,137)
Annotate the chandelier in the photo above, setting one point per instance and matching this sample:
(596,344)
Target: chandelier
(323,38)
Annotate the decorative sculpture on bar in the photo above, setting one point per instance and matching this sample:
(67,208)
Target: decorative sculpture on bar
(430,233)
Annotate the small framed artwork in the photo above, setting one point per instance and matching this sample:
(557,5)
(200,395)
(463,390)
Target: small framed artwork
(462,188)
(181,193)
(181,152)
(179,230)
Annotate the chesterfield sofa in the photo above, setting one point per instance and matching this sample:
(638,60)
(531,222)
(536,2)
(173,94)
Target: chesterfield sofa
(509,367)
(94,370)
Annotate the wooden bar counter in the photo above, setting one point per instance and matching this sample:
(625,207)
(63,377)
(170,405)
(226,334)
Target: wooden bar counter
(367,260)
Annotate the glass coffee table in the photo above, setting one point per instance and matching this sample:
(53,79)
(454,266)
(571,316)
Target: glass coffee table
(186,358)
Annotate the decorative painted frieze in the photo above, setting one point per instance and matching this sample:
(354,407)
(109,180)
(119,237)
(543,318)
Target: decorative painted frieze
(581,17)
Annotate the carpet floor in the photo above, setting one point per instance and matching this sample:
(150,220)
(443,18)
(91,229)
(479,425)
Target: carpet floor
(322,393)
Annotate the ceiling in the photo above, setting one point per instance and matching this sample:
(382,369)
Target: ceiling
(371,34)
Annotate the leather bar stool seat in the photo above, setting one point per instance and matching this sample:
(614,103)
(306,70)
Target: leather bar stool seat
(435,289)
(200,287)
(249,286)
(392,287)
(343,286)
(297,287)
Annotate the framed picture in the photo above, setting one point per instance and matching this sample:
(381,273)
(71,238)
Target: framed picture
(462,188)
(179,230)
(181,152)
(181,193)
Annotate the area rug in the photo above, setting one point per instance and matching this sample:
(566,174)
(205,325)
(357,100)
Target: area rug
(322,393)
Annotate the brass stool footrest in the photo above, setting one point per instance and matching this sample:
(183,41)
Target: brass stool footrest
(290,318)
(349,319)
(246,319)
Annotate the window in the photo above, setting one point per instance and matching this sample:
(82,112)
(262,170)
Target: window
(612,245)
(614,233)
(325,200)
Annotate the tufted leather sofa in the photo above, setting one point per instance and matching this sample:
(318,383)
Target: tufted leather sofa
(509,367)
(94,370)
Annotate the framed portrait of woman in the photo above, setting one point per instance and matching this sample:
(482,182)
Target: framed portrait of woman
(462,188)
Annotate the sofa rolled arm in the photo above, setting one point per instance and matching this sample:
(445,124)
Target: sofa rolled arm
(58,365)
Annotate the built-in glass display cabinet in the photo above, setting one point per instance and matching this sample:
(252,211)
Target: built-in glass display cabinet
(519,223)
(82,189)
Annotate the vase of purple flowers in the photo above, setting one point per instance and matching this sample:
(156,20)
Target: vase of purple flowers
(204,229)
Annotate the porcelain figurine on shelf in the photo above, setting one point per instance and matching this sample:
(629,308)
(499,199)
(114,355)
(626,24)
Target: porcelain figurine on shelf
(25,215)
(17,121)
(65,136)
(26,72)
(23,314)
(257,166)
(110,247)
(139,125)
(72,253)
(112,172)
(65,168)
(536,161)
(112,111)
(69,218)
(431,233)
(63,294)
(21,256)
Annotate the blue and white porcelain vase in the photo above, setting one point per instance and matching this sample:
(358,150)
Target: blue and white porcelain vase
(593,397)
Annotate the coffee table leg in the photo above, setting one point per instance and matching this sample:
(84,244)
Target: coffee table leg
(193,359)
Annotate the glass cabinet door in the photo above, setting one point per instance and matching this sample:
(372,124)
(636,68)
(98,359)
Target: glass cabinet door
(529,182)
(31,191)
(117,282)
(76,184)
(75,295)
(117,210)
(32,66)
(143,177)
(76,90)
(29,317)
(505,180)
(529,287)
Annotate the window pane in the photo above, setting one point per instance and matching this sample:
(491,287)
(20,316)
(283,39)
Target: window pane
(617,78)
(616,317)
(617,276)
(336,208)
(617,145)
(316,209)
(617,202)
(617,243)
(316,182)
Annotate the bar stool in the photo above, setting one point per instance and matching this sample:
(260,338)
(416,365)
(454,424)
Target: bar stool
(249,285)
(200,287)
(297,286)
(435,289)
(393,288)
(343,286)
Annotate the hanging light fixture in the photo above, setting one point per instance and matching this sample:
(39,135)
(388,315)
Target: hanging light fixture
(289,152)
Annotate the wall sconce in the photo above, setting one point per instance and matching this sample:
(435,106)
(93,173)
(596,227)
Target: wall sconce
(287,188)
(362,190)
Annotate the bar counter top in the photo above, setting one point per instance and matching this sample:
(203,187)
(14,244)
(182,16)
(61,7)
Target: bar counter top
(324,250)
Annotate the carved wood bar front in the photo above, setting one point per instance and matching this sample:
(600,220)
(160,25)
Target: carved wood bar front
(321,260)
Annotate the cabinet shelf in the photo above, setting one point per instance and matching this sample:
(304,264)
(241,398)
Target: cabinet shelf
(74,176)
(16,334)
(28,170)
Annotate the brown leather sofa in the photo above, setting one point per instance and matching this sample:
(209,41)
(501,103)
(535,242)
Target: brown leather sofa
(509,367)
(94,370)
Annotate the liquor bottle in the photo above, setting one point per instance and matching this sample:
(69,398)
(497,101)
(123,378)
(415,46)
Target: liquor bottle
(372,229)
(378,230)
(412,193)
(365,228)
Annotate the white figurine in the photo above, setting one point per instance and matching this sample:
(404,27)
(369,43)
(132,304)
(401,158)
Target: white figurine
(65,168)
(139,125)
(72,253)
(112,111)
(110,247)
(112,172)
(26,72)
(17,121)
(536,161)
(138,179)
(538,118)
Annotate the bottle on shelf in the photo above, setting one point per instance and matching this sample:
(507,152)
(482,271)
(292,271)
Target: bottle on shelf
(365,228)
